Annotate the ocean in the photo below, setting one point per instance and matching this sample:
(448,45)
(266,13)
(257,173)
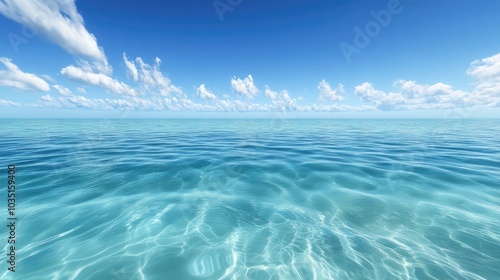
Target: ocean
(266,199)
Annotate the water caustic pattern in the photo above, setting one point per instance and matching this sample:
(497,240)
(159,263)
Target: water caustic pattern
(255,199)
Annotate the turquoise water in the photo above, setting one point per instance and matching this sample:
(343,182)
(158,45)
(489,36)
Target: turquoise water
(254,199)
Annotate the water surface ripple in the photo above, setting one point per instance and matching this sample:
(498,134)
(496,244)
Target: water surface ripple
(255,198)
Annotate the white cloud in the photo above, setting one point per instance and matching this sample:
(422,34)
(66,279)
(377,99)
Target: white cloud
(329,94)
(14,77)
(72,102)
(97,79)
(59,21)
(277,96)
(82,90)
(245,87)
(155,88)
(150,78)
(203,93)
(8,103)
(131,69)
(186,105)
(282,101)
(368,94)
(410,95)
(413,96)
(62,90)
(153,80)
(271,94)
(339,108)
(486,68)
(487,73)
(82,102)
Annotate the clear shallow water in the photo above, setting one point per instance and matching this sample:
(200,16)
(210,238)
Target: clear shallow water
(255,199)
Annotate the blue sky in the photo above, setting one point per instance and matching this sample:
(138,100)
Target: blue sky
(338,58)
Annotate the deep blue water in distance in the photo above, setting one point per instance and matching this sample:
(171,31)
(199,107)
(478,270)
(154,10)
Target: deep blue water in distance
(254,198)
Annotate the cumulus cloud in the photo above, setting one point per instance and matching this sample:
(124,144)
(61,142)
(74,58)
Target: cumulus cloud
(245,87)
(281,101)
(97,79)
(203,93)
(271,94)
(410,95)
(486,71)
(369,94)
(277,96)
(12,76)
(155,90)
(486,68)
(150,78)
(326,93)
(62,90)
(59,21)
